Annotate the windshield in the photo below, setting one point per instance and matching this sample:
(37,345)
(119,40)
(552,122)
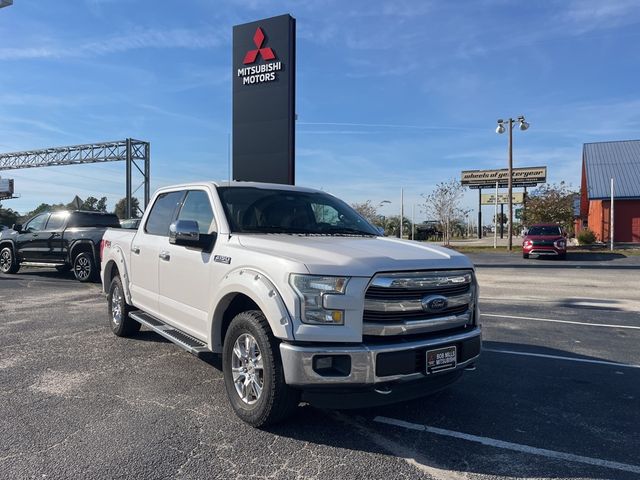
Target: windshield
(264,210)
(544,230)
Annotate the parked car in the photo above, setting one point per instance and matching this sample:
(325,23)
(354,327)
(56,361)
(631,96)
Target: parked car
(130,223)
(304,299)
(545,239)
(62,239)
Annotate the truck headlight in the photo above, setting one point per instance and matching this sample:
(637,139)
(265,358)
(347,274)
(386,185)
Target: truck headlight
(311,289)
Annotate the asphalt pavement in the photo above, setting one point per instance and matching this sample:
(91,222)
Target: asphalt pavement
(555,395)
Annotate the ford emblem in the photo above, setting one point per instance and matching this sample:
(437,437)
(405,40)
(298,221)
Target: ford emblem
(434,303)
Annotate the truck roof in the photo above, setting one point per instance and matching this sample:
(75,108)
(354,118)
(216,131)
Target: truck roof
(235,184)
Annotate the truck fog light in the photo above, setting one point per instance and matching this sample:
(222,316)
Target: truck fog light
(332,365)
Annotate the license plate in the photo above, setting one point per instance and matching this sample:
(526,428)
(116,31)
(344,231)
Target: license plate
(441,359)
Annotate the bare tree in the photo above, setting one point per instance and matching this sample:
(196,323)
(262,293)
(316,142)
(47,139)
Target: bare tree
(442,204)
(368,210)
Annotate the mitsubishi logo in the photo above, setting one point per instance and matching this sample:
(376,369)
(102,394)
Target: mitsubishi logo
(266,53)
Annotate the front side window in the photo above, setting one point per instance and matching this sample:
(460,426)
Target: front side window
(37,223)
(270,210)
(197,207)
(163,212)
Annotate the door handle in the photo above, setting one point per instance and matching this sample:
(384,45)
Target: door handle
(34,235)
(55,235)
(165,256)
(135,250)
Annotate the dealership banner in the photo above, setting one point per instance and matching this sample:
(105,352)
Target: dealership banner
(490,198)
(263,77)
(521,177)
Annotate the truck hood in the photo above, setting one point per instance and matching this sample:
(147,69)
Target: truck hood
(355,256)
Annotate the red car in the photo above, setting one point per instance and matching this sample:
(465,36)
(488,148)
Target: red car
(545,239)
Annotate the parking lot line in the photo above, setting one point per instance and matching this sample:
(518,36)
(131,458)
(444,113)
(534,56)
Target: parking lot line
(536,319)
(516,447)
(559,357)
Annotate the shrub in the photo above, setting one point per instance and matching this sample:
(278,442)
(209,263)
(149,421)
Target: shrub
(586,237)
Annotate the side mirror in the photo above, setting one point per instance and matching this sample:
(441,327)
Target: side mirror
(17,227)
(185,232)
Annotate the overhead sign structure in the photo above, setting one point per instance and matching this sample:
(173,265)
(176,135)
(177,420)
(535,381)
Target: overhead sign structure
(503,198)
(521,177)
(263,63)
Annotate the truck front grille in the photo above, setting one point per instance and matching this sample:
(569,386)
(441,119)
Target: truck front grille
(418,302)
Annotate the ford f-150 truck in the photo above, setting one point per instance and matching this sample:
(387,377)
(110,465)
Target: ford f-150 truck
(300,294)
(62,239)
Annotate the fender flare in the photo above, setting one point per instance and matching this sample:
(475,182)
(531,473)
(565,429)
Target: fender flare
(117,260)
(262,291)
(12,245)
(81,242)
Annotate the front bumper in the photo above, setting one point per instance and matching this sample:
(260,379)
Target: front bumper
(376,363)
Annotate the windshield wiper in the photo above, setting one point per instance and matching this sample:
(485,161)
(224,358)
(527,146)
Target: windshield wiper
(348,231)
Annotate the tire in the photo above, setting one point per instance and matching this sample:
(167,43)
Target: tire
(525,255)
(562,256)
(275,400)
(118,311)
(8,261)
(84,267)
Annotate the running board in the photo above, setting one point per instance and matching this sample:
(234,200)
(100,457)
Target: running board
(43,264)
(189,343)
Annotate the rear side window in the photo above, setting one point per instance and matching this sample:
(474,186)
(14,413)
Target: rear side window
(85,219)
(162,213)
(197,207)
(56,220)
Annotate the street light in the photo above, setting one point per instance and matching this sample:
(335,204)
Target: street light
(523,125)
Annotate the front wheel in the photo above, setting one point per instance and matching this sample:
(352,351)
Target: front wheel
(118,310)
(253,374)
(8,261)
(84,268)
(525,255)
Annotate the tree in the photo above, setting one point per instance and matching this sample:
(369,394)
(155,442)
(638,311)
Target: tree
(443,205)
(368,210)
(8,216)
(392,226)
(550,203)
(44,207)
(501,219)
(121,208)
(95,205)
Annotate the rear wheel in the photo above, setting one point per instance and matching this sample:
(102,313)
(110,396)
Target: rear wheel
(118,311)
(8,261)
(84,268)
(253,374)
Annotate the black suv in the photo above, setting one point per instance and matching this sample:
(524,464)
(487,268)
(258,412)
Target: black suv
(64,239)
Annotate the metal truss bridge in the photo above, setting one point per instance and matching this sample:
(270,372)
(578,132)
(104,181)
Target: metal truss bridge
(135,153)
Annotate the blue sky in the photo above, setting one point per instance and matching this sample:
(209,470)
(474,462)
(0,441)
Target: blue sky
(389,94)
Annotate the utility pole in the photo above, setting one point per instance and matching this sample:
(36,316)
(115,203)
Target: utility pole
(401,209)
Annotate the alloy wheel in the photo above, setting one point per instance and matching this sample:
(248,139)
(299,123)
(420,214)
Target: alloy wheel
(247,368)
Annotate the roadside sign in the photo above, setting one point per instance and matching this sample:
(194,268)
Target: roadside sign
(488,178)
(503,198)
(519,213)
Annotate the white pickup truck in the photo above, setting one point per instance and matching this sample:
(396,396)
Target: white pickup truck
(304,299)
